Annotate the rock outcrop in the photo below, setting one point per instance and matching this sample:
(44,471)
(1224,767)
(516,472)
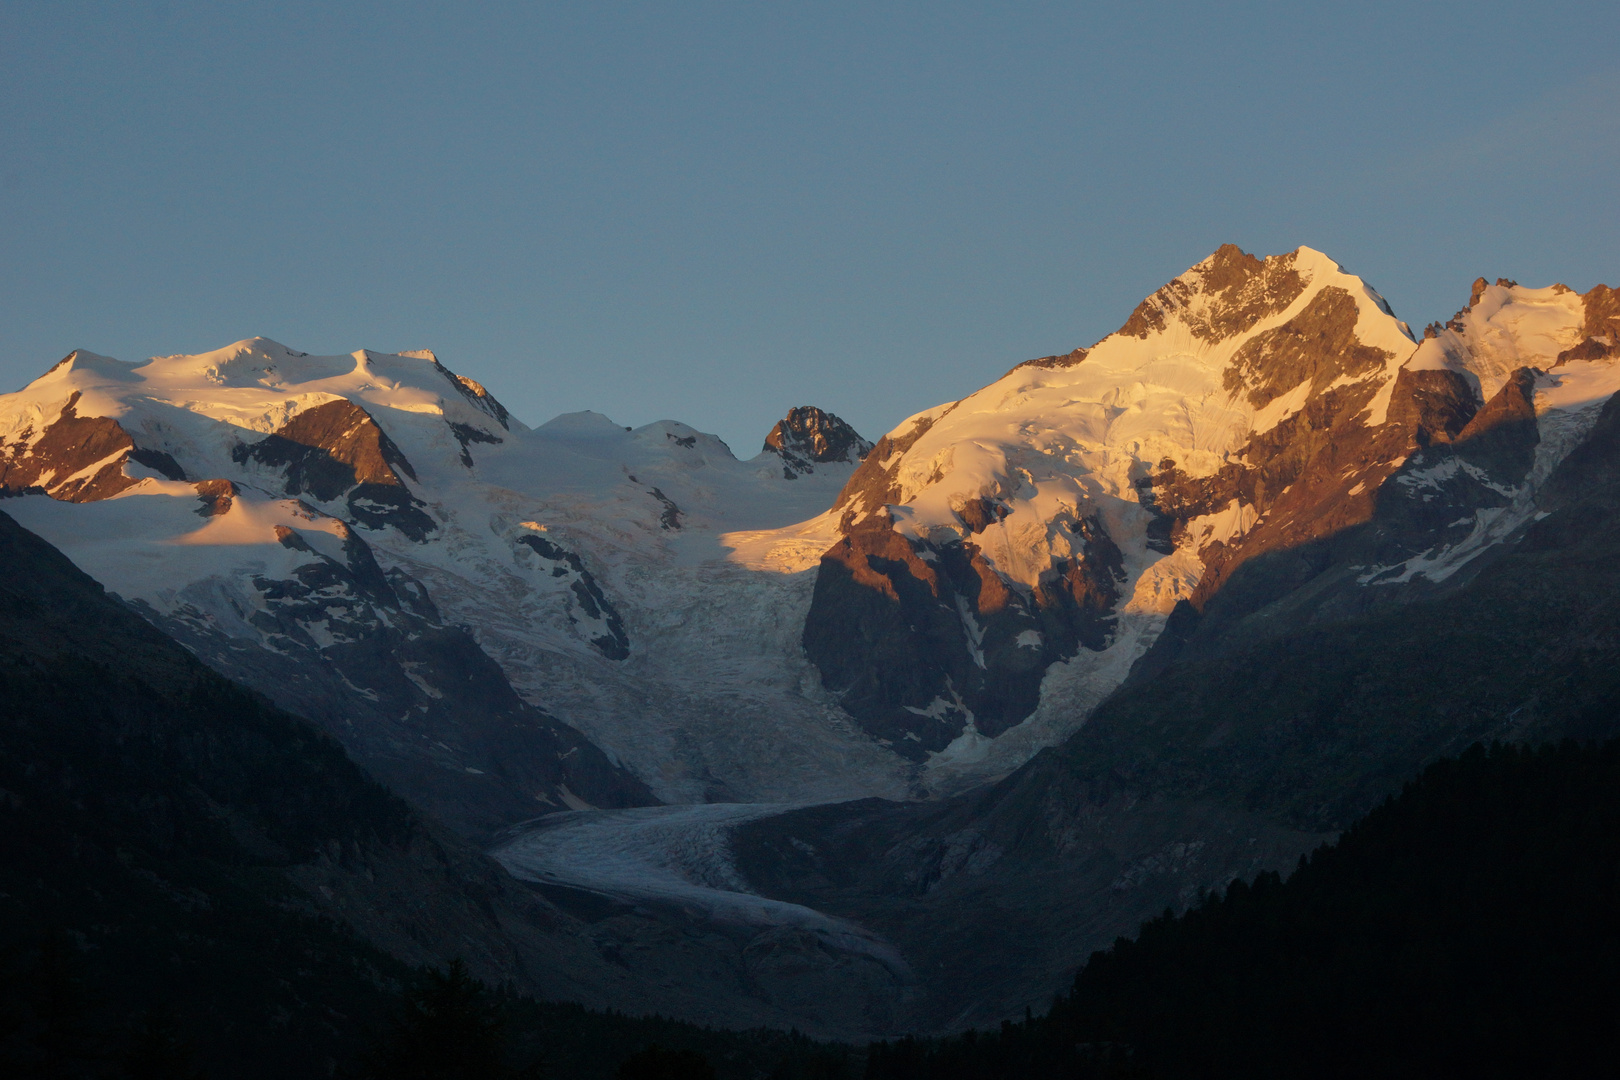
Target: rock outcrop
(77,458)
(808,437)
(926,642)
(364,652)
(337,451)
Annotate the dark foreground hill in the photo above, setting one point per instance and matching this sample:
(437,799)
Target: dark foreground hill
(1464,928)
(180,861)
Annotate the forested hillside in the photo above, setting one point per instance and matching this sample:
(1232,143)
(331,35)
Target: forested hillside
(1465,928)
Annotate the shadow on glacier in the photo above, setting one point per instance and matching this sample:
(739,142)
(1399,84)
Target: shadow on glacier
(679,855)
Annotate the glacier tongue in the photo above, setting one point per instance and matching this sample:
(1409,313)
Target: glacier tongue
(679,855)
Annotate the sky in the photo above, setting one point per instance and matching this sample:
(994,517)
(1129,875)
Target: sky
(714,212)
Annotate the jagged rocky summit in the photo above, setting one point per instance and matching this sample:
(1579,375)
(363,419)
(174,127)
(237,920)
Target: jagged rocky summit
(1007,559)
(1408,562)
(808,437)
(376,542)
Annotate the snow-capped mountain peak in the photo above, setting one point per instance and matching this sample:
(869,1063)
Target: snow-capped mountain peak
(829,618)
(588,559)
(1007,558)
(808,437)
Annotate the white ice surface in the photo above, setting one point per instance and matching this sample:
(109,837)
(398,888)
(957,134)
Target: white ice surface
(1056,445)
(716,700)
(149,543)
(1509,328)
(673,854)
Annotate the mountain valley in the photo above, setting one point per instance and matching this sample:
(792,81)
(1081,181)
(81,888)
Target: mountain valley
(866,738)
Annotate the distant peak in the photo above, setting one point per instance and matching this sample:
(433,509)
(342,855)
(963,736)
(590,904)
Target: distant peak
(809,436)
(261,345)
(86,361)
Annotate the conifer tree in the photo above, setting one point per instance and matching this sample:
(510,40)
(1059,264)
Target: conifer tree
(157,1051)
(657,1063)
(449,1028)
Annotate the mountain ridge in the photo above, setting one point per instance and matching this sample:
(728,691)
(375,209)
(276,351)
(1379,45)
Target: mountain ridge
(954,586)
(971,663)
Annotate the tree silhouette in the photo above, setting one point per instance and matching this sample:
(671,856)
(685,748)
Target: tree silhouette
(656,1063)
(64,1044)
(157,1051)
(449,1028)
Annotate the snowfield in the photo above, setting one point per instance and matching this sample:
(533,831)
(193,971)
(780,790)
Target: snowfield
(715,699)
(650,589)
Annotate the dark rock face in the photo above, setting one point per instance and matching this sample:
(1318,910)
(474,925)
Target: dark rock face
(1318,345)
(466,435)
(158,461)
(808,437)
(1053,363)
(1324,555)
(1245,289)
(77,458)
(1601,327)
(329,449)
(1602,306)
(216,497)
(670,516)
(336,450)
(1323,471)
(476,395)
(1591,349)
(921,641)
(873,484)
(1501,438)
(590,601)
(363,652)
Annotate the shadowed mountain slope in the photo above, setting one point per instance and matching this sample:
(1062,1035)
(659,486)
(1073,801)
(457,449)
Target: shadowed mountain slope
(1463,928)
(1252,751)
(203,850)
(201,845)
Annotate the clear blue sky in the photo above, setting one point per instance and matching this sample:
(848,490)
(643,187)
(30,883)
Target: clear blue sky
(712,212)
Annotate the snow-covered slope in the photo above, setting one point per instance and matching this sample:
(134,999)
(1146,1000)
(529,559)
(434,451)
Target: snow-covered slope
(597,566)
(1012,525)
(820,621)
(1006,560)
(1542,362)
